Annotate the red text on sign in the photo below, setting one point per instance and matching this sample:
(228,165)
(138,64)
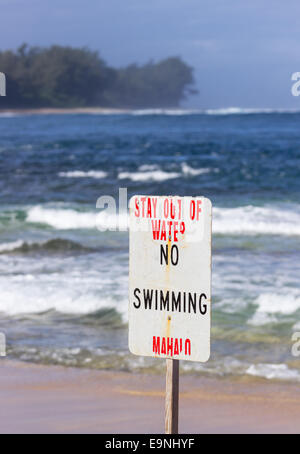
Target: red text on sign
(171,346)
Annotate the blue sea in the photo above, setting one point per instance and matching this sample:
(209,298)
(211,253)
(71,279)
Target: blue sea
(64,282)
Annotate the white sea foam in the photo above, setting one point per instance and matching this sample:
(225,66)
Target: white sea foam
(33,295)
(251,220)
(273,371)
(152,175)
(218,111)
(66,303)
(285,303)
(8,247)
(246,220)
(271,304)
(232,366)
(175,112)
(62,218)
(247,110)
(68,285)
(97,174)
(189,171)
(68,219)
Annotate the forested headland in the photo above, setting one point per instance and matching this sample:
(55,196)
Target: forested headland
(69,77)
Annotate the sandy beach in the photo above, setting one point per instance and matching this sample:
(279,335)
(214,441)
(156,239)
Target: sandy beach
(65,111)
(42,399)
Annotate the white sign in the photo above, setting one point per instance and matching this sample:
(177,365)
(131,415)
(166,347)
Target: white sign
(170,277)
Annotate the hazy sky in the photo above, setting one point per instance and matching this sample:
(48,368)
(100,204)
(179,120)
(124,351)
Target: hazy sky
(243,51)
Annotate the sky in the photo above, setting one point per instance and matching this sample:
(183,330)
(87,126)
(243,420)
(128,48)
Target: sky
(243,51)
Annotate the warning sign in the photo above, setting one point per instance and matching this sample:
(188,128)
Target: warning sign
(170,277)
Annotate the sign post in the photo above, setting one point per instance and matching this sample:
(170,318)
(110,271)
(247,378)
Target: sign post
(172,396)
(170,285)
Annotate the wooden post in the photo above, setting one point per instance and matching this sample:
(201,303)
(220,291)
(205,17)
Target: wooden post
(172,396)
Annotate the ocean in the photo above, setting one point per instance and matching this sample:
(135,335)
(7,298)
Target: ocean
(64,282)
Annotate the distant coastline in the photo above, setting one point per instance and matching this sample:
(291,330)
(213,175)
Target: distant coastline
(59,76)
(65,111)
(146,111)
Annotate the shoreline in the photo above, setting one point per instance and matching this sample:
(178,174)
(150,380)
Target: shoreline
(65,111)
(54,399)
(123,111)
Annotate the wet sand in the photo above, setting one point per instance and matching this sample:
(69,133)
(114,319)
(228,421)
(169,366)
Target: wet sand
(42,399)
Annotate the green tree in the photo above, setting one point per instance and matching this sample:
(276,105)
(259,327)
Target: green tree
(162,84)
(69,77)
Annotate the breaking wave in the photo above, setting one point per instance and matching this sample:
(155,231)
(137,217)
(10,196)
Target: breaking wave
(245,220)
(218,111)
(273,372)
(271,305)
(69,219)
(51,246)
(154,173)
(175,112)
(97,174)
(30,297)
(246,111)
(252,220)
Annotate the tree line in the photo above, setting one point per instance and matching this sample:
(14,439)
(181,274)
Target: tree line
(60,76)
